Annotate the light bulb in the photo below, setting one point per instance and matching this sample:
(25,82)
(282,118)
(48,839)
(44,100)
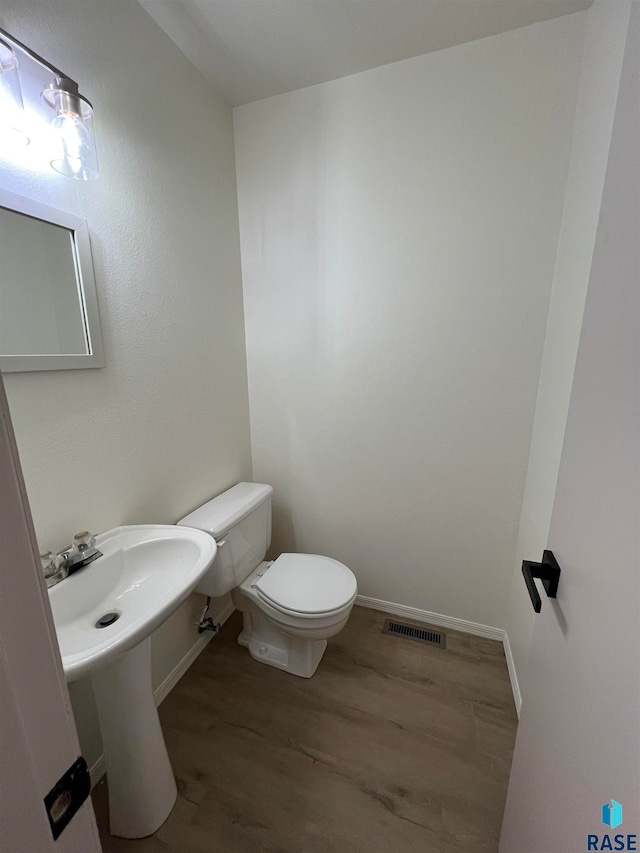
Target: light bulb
(78,154)
(11,106)
(76,143)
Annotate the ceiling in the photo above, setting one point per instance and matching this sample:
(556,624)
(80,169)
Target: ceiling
(252,49)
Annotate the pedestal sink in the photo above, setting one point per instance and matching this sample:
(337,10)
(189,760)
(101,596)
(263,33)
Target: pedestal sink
(145,573)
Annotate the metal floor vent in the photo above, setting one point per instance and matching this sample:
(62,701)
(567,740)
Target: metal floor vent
(421,635)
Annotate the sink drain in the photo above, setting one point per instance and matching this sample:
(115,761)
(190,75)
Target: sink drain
(107,619)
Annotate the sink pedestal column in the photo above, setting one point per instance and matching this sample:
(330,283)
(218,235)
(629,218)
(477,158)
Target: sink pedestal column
(142,788)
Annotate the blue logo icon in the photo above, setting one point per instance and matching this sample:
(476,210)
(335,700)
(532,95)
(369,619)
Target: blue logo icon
(612,814)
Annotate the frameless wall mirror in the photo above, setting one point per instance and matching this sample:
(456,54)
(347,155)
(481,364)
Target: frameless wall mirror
(48,306)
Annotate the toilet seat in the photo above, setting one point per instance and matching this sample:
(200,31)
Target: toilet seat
(307,585)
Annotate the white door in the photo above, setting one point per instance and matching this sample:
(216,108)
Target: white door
(578,744)
(38,740)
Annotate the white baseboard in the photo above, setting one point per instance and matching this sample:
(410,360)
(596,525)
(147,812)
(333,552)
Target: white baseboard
(432,618)
(513,676)
(98,768)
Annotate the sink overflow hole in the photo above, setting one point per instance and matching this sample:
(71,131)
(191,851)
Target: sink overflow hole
(107,619)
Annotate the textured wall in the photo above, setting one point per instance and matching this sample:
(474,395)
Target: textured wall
(164,425)
(399,230)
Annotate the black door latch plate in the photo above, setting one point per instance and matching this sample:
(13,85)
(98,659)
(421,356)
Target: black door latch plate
(67,795)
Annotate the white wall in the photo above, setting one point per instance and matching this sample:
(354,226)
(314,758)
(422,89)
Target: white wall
(399,230)
(165,425)
(607,22)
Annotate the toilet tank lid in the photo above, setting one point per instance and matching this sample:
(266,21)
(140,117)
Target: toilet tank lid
(219,515)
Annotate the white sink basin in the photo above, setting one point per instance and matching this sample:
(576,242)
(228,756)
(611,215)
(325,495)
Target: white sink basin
(145,573)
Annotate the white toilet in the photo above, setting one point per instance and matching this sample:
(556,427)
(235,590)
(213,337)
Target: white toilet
(291,605)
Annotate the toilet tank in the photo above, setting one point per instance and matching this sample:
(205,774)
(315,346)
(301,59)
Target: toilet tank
(240,522)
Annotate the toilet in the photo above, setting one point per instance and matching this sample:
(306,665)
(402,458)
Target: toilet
(291,605)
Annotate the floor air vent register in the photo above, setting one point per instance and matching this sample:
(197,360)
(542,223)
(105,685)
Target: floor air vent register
(410,632)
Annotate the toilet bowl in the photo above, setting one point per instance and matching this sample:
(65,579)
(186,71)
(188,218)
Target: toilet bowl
(292,605)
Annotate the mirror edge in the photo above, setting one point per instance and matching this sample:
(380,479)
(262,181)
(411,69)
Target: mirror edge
(89,296)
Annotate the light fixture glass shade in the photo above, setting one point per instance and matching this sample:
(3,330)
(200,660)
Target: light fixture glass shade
(11,106)
(73,132)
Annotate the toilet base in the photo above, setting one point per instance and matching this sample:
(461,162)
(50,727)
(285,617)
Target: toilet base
(267,644)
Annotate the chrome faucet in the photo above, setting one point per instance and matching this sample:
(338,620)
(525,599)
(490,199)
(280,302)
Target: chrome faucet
(80,553)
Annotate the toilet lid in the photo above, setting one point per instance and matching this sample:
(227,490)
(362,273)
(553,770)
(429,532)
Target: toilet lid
(307,583)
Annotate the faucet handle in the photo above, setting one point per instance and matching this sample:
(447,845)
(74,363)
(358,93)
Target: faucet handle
(84,540)
(49,563)
(54,568)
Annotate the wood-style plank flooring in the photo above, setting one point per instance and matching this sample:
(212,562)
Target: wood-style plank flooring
(392,746)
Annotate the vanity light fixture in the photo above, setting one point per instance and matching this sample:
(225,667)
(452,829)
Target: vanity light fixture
(72,124)
(11,105)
